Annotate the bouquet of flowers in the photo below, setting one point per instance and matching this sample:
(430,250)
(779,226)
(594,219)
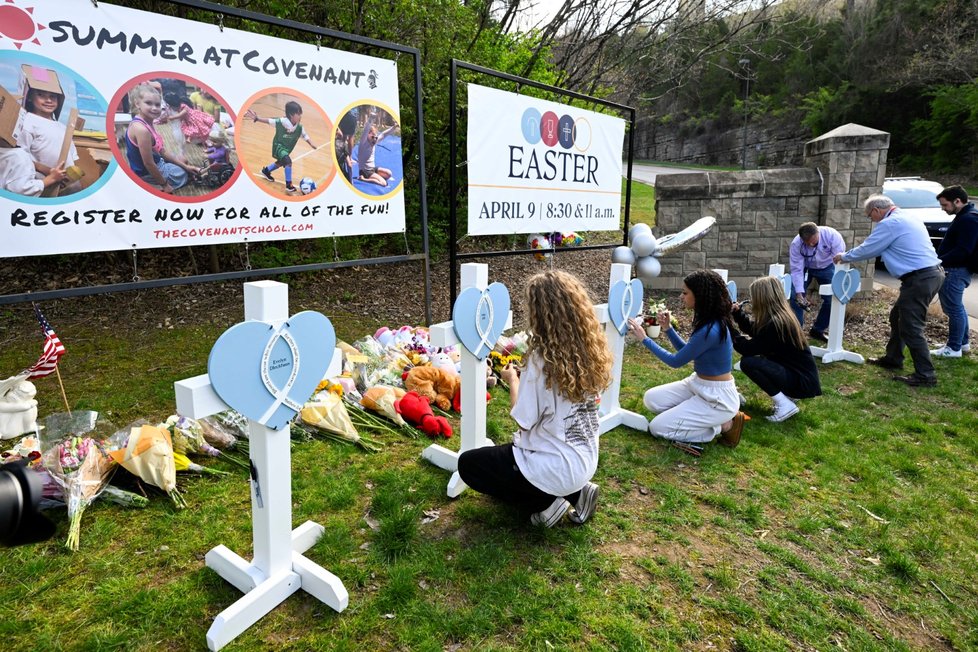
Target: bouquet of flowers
(147,452)
(77,463)
(187,436)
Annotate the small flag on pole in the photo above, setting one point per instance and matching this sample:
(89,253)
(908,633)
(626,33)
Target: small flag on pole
(53,349)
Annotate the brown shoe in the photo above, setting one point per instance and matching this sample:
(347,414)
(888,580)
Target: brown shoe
(731,437)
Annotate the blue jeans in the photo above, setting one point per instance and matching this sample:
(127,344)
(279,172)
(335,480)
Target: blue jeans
(956,279)
(824,277)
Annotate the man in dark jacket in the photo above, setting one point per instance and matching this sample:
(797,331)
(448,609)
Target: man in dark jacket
(958,252)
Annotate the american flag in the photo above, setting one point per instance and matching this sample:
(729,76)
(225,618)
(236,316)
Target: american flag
(53,349)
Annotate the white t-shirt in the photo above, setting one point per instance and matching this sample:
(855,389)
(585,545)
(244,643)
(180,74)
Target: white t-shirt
(556,447)
(17,172)
(43,138)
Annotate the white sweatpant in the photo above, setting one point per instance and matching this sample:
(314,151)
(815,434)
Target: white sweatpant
(692,409)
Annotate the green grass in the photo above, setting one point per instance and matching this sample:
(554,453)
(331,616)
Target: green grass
(642,206)
(839,528)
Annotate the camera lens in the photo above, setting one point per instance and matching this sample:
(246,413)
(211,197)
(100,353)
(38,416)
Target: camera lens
(11,504)
(20,494)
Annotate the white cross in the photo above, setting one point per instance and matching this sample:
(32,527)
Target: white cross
(278,568)
(473,391)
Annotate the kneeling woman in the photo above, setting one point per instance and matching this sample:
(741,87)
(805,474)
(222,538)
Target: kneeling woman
(775,353)
(706,404)
(548,467)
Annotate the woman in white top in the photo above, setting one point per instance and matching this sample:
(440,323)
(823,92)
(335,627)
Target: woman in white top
(548,467)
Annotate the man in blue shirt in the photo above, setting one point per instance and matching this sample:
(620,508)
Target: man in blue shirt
(810,255)
(958,252)
(905,247)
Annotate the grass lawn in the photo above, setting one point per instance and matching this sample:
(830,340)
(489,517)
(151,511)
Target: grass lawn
(851,526)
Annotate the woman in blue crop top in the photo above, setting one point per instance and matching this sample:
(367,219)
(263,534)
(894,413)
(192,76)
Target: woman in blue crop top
(706,404)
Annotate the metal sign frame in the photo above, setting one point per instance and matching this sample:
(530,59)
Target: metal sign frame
(220,12)
(454,255)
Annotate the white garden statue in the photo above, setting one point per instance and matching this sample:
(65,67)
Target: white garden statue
(18,409)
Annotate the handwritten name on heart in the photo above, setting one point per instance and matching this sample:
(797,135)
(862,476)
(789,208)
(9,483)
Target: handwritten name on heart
(845,284)
(479,317)
(624,303)
(266,372)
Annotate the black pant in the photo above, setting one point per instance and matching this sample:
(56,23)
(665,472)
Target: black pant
(492,470)
(907,319)
(770,376)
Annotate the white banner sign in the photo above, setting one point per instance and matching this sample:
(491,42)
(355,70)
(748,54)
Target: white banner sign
(538,166)
(141,130)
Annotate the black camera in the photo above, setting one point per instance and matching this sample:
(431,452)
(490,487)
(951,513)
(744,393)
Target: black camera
(21,521)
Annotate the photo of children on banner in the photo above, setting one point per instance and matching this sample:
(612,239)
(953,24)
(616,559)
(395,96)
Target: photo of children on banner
(39,126)
(378,168)
(166,142)
(269,141)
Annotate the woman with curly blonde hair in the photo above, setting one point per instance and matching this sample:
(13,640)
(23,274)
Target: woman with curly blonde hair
(548,467)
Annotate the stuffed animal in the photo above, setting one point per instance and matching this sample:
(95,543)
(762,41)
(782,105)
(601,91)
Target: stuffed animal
(443,361)
(490,377)
(437,384)
(417,410)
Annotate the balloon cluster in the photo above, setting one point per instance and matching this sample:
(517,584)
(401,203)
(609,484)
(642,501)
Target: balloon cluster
(547,242)
(640,253)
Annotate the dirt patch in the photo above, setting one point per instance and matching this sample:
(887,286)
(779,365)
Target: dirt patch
(390,294)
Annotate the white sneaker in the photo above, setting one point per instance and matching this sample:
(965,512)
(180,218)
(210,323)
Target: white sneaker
(965,348)
(552,515)
(587,502)
(946,352)
(783,412)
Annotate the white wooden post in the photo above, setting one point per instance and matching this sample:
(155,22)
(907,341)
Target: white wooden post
(278,569)
(777,271)
(837,322)
(611,414)
(473,392)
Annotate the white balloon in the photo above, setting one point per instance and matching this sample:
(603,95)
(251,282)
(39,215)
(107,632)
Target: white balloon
(637,228)
(648,267)
(624,255)
(643,244)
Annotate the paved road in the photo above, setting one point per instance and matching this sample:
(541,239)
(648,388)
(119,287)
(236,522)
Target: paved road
(882,277)
(647,173)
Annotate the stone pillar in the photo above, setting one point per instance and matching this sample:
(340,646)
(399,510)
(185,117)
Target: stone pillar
(851,161)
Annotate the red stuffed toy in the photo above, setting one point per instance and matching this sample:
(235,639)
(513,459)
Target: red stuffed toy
(416,410)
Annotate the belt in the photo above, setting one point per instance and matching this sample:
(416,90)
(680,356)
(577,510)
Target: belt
(910,275)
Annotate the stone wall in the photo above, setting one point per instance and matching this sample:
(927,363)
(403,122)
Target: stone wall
(758,211)
(768,144)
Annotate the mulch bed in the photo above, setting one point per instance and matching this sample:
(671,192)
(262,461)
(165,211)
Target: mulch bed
(388,294)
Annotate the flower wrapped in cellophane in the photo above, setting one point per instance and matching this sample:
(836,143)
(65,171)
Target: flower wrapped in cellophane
(147,452)
(188,437)
(327,414)
(77,462)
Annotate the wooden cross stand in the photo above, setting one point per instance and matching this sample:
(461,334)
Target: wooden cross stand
(611,414)
(278,569)
(473,392)
(837,322)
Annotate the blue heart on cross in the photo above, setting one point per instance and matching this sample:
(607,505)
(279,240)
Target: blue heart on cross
(624,303)
(266,372)
(479,317)
(732,290)
(845,284)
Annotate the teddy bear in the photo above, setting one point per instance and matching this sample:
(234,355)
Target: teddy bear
(416,409)
(437,384)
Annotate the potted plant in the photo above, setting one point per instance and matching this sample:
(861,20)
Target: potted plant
(651,320)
